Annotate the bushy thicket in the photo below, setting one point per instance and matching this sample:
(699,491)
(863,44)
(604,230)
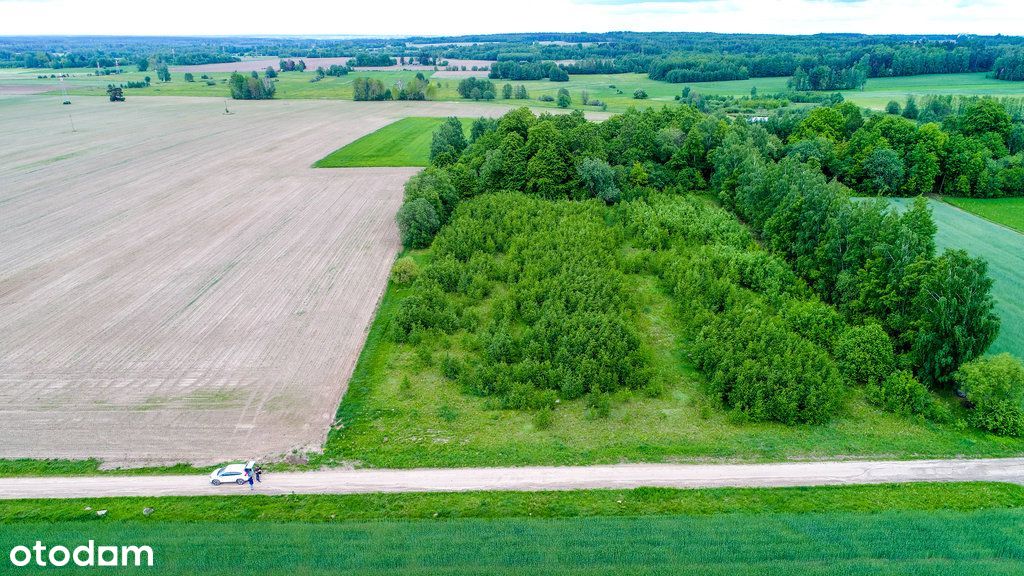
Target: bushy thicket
(995,385)
(759,336)
(562,325)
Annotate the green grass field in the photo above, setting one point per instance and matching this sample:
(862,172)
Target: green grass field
(614,89)
(402,143)
(1004,250)
(888,529)
(1006,211)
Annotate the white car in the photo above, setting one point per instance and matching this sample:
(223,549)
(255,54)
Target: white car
(237,473)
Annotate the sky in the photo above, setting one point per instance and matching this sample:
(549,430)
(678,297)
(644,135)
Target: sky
(442,17)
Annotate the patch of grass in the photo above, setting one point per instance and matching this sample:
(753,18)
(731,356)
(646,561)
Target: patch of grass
(1006,211)
(397,414)
(1002,247)
(837,530)
(402,143)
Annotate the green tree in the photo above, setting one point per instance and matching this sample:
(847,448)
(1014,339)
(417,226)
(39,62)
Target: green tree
(995,385)
(910,110)
(418,223)
(162,73)
(189,77)
(985,115)
(883,171)
(506,92)
(956,322)
(143,64)
(640,94)
(447,142)
(564,100)
(893,107)
(598,179)
(864,354)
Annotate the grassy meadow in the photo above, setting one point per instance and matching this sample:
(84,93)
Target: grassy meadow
(888,529)
(1006,211)
(1003,248)
(616,90)
(402,143)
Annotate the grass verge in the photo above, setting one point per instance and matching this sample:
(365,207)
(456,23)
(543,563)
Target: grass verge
(895,529)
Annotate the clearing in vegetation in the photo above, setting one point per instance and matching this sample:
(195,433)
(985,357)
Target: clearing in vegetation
(1006,211)
(1002,248)
(402,143)
(177,285)
(890,529)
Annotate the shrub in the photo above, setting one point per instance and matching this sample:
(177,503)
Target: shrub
(405,271)
(417,223)
(995,385)
(426,308)
(544,419)
(865,354)
(640,94)
(901,393)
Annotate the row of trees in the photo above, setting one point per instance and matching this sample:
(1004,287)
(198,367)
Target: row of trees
(823,77)
(978,150)
(527,71)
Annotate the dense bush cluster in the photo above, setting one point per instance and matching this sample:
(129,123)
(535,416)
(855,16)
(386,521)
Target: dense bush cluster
(562,324)
(251,87)
(995,385)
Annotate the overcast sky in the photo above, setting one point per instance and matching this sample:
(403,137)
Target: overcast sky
(419,17)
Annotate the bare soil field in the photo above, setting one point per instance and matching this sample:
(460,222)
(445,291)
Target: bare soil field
(21,89)
(179,285)
(311,64)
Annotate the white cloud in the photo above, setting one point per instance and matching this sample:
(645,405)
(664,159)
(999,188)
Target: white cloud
(404,17)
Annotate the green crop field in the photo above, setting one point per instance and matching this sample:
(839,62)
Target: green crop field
(1006,211)
(887,529)
(1004,250)
(402,143)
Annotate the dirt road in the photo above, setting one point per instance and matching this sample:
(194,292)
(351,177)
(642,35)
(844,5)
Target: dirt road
(532,478)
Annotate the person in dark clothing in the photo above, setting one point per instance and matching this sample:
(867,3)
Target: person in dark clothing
(251,487)
(259,471)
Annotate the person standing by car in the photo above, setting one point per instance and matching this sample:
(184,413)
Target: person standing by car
(251,486)
(259,472)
